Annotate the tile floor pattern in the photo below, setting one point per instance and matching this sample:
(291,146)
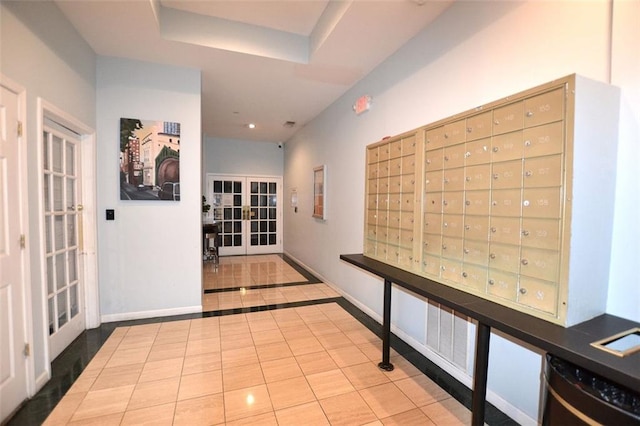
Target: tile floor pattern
(240,273)
(311,365)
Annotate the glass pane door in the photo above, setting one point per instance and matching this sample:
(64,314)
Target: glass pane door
(264,231)
(248,213)
(62,249)
(227,207)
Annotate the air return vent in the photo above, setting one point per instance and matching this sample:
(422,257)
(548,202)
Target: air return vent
(447,333)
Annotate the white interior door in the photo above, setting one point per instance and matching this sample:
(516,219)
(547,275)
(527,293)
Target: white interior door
(63,235)
(13,364)
(248,211)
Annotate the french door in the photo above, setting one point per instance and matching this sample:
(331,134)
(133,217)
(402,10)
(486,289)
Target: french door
(63,235)
(248,212)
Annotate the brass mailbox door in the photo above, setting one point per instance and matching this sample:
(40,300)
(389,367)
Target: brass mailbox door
(507,146)
(508,118)
(544,140)
(544,108)
(505,230)
(538,294)
(478,152)
(478,177)
(541,233)
(479,126)
(502,284)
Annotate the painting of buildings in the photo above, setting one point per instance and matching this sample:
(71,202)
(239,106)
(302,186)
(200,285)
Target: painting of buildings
(149,160)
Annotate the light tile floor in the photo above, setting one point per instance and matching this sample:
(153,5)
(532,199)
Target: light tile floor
(308,365)
(311,365)
(242,272)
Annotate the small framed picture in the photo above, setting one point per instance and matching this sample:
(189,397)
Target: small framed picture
(319,194)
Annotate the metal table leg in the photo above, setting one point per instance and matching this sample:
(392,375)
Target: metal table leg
(480,374)
(386,328)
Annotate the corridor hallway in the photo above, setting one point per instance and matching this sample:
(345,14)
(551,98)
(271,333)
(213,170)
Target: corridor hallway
(274,347)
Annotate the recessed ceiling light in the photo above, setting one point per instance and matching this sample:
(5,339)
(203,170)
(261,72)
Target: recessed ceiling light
(251,126)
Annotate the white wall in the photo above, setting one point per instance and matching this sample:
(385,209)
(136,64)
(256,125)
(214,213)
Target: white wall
(41,51)
(475,53)
(624,284)
(239,157)
(150,256)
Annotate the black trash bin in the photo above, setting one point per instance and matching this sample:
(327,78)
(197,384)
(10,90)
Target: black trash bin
(575,396)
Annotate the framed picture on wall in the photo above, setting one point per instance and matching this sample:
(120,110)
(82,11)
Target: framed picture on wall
(319,192)
(149,160)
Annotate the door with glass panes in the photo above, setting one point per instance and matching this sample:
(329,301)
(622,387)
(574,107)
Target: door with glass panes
(63,235)
(248,212)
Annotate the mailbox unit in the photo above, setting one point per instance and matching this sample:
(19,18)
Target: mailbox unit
(512,201)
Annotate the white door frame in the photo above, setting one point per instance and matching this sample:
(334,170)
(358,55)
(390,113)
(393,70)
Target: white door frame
(89,226)
(23,210)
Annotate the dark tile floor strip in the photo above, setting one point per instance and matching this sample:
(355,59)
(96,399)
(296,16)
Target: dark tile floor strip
(256,287)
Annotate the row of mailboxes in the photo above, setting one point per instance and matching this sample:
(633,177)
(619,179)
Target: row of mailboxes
(392,185)
(528,291)
(538,141)
(392,220)
(400,147)
(535,111)
(393,167)
(530,261)
(393,254)
(526,202)
(392,202)
(530,172)
(529,232)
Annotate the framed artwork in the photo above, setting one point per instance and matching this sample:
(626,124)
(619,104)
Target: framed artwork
(149,160)
(319,192)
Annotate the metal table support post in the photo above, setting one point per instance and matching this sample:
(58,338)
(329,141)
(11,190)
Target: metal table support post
(386,328)
(480,374)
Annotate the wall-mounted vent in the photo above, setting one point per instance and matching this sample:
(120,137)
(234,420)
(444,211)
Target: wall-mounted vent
(447,333)
(289,124)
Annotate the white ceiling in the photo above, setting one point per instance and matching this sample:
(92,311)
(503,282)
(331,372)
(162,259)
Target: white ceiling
(263,62)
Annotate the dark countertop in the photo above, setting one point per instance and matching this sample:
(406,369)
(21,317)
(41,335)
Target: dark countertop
(571,343)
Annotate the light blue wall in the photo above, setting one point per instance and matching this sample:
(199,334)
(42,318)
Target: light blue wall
(474,53)
(239,157)
(150,255)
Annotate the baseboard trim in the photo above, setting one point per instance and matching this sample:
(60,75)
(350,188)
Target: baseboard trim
(127,316)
